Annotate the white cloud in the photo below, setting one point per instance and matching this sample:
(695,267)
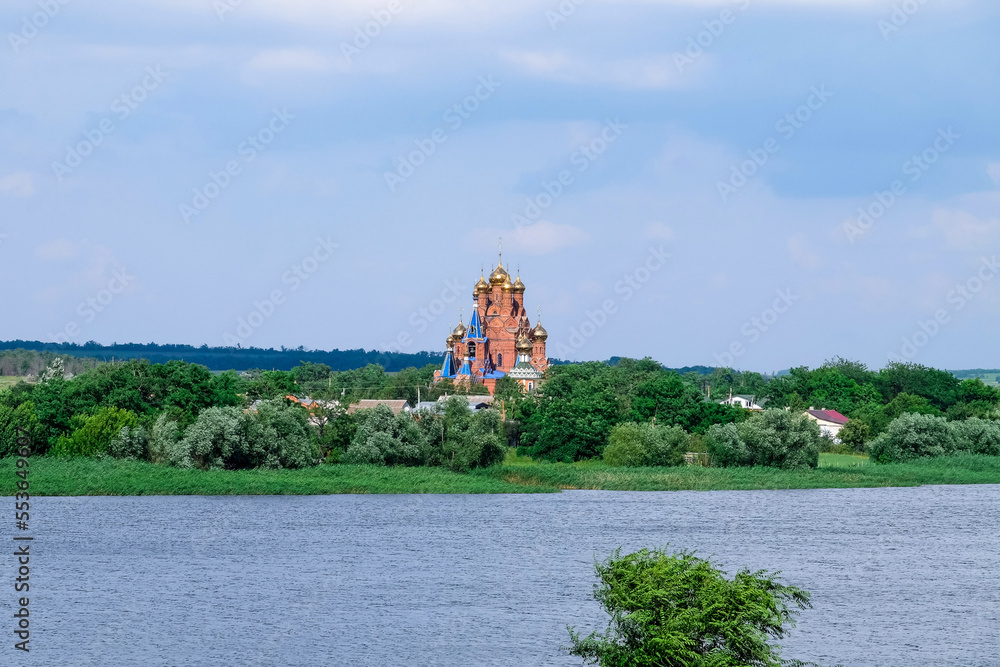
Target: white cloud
(18,184)
(541,238)
(288,60)
(659,232)
(962,229)
(993,169)
(650,71)
(802,255)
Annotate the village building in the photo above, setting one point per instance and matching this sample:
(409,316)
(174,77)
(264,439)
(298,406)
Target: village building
(830,421)
(499,340)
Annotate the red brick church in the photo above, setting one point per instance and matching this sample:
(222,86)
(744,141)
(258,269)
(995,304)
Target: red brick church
(499,340)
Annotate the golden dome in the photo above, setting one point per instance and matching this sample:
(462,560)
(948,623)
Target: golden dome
(539,332)
(523,344)
(459,331)
(450,342)
(482,287)
(506,287)
(499,275)
(518,287)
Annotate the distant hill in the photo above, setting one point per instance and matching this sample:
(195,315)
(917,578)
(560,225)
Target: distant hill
(225,358)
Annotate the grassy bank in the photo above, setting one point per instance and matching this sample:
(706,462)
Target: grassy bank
(108,477)
(90,477)
(835,472)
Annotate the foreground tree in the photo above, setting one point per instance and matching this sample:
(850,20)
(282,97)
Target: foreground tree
(677,610)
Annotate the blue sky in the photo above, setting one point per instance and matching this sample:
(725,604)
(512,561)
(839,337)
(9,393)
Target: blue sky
(217,171)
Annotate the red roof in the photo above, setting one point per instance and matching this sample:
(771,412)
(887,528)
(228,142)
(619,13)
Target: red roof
(829,416)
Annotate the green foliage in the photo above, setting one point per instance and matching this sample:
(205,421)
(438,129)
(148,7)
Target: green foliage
(855,434)
(275,436)
(776,438)
(913,435)
(94,433)
(461,440)
(977,436)
(130,443)
(637,445)
(21,417)
(675,609)
(383,438)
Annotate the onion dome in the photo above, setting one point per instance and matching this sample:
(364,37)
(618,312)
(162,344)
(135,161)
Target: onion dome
(518,287)
(539,332)
(450,341)
(523,344)
(482,287)
(459,331)
(499,275)
(507,287)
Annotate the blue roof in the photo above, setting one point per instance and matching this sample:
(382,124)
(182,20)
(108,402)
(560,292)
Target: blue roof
(446,370)
(475,330)
(495,374)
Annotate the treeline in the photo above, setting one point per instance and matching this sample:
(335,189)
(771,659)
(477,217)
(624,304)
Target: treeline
(227,358)
(183,414)
(584,408)
(28,363)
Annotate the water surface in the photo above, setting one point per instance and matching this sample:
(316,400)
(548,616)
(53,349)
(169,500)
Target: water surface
(898,576)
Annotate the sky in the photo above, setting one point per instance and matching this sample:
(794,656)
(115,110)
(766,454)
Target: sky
(754,183)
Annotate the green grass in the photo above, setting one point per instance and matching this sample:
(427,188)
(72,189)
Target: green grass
(7,381)
(107,477)
(835,472)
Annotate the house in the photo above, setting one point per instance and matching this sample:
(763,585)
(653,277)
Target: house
(746,402)
(476,403)
(830,421)
(369,403)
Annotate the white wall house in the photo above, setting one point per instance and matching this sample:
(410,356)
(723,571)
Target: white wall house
(743,401)
(830,421)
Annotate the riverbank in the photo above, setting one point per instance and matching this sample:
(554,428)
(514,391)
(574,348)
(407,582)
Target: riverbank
(108,477)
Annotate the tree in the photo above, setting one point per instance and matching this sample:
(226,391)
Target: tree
(636,445)
(776,438)
(855,434)
(674,609)
(913,435)
(93,433)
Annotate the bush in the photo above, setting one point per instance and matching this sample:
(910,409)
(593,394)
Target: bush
(676,609)
(94,433)
(23,416)
(275,436)
(130,443)
(977,436)
(775,438)
(855,434)
(165,444)
(383,438)
(636,445)
(913,435)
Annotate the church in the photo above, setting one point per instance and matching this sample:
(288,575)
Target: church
(499,340)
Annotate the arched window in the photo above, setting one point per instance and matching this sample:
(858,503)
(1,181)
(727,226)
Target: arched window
(499,359)
(472,350)
(531,385)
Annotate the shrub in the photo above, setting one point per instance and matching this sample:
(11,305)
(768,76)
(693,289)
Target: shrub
(677,609)
(977,436)
(383,438)
(275,436)
(130,443)
(23,416)
(855,434)
(93,433)
(913,435)
(165,444)
(635,445)
(776,438)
